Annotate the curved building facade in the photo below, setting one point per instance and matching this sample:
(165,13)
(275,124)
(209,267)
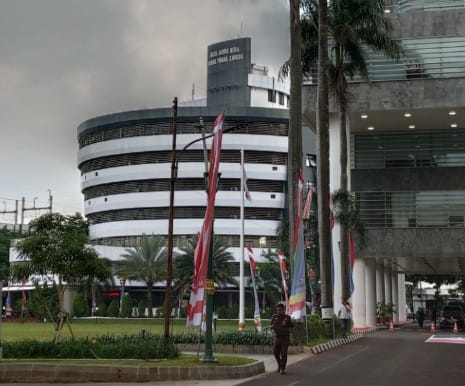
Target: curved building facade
(125,162)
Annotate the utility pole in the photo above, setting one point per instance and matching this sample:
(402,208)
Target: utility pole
(12,211)
(34,207)
(169,263)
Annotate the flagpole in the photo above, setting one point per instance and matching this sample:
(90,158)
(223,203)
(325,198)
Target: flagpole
(241,244)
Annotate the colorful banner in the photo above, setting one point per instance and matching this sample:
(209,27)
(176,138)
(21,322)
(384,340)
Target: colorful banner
(308,204)
(297,301)
(352,262)
(253,267)
(284,273)
(195,309)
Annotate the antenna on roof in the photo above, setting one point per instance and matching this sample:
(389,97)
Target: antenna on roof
(240,35)
(193,90)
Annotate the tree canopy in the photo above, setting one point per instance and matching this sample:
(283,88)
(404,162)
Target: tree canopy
(145,262)
(184,264)
(57,245)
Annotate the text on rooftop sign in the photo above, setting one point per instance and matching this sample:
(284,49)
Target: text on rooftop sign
(225,55)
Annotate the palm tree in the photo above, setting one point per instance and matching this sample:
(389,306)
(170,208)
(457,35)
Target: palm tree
(323,155)
(145,262)
(295,119)
(352,26)
(184,265)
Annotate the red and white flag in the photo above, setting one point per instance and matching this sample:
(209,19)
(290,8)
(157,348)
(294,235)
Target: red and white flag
(253,264)
(308,204)
(332,213)
(253,267)
(247,195)
(195,309)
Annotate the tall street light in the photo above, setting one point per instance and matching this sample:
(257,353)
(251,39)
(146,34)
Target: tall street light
(210,286)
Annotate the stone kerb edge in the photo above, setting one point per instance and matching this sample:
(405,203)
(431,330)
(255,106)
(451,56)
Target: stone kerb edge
(35,372)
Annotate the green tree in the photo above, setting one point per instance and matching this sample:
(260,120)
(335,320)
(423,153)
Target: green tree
(184,265)
(352,26)
(57,245)
(145,262)
(269,280)
(43,302)
(295,119)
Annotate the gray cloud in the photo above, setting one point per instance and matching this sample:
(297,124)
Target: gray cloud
(64,61)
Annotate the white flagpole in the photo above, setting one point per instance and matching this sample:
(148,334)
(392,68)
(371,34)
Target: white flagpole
(241,242)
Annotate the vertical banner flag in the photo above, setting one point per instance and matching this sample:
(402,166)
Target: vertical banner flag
(308,204)
(297,301)
(352,261)
(195,309)
(247,195)
(282,267)
(253,266)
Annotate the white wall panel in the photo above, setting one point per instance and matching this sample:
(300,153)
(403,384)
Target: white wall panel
(185,170)
(181,198)
(163,142)
(181,227)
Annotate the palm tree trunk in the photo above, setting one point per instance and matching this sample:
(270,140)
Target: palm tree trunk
(323,158)
(344,229)
(295,120)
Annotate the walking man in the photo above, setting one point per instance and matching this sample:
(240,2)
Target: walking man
(281,323)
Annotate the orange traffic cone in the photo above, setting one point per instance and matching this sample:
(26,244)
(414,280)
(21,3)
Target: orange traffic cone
(456,330)
(391,326)
(433,328)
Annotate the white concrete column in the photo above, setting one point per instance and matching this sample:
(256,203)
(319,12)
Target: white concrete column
(380,282)
(402,298)
(370,289)
(359,294)
(395,296)
(387,283)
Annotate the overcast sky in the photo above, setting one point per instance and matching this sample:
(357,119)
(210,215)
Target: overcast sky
(65,61)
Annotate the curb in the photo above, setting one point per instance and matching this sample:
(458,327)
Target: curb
(356,335)
(55,373)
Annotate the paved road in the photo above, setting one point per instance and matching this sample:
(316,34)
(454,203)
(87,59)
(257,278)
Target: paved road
(380,359)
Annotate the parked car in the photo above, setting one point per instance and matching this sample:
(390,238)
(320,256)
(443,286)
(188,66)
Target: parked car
(451,314)
(456,302)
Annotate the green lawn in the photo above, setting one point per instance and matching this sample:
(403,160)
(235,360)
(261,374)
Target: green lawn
(11,331)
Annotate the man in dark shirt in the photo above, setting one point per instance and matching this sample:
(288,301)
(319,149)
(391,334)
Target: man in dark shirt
(281,325)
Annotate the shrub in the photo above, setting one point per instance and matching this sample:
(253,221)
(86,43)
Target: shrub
(113,308)
(127,306)
(101,309)
(81,307)
(316,326)
(108,347)
(141,308)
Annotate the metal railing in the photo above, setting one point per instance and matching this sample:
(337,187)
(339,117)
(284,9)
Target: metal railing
(429,57)
(428,209)
(443,148)
(422,5)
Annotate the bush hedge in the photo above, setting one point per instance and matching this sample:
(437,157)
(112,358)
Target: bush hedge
(107,347)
